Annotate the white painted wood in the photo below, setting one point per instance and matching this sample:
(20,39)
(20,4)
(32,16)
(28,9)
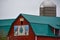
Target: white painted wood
(35,37)
(21,19)
(7,38)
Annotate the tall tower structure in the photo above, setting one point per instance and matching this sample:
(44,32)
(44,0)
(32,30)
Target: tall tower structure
(47,8)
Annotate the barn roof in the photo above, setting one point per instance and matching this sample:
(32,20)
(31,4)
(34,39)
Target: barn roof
(5,26)
(6,22)
(36,22)
(42,29)
(52,21)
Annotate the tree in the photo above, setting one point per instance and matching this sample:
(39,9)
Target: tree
(2,35)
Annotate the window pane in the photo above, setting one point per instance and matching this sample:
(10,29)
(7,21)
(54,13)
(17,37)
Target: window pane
(59,32)
(15,30)
(26,29)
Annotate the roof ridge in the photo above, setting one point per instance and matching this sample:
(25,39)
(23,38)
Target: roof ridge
(39,16)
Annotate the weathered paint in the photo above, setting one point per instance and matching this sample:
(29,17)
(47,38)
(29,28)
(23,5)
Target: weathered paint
(31,35)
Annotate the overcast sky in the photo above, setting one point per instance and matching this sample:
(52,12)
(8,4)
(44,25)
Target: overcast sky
(12,8)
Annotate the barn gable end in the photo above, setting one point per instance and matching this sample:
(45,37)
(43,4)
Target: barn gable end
(17,22)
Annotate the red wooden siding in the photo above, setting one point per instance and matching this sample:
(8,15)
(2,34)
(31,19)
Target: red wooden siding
(47,38)
(31,35)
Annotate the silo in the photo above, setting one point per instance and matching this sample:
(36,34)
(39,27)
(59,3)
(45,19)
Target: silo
(47,8)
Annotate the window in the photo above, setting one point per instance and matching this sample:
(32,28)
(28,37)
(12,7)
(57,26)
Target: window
(56,32)
(59,32)
(21,22)
(15,30)
(20,30)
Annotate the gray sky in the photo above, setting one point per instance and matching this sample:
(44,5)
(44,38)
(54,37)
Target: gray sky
(12,8)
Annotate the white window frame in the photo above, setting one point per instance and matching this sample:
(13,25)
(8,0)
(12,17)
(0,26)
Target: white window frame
(54,31)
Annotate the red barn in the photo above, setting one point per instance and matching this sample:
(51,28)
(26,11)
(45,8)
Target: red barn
(30,27)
